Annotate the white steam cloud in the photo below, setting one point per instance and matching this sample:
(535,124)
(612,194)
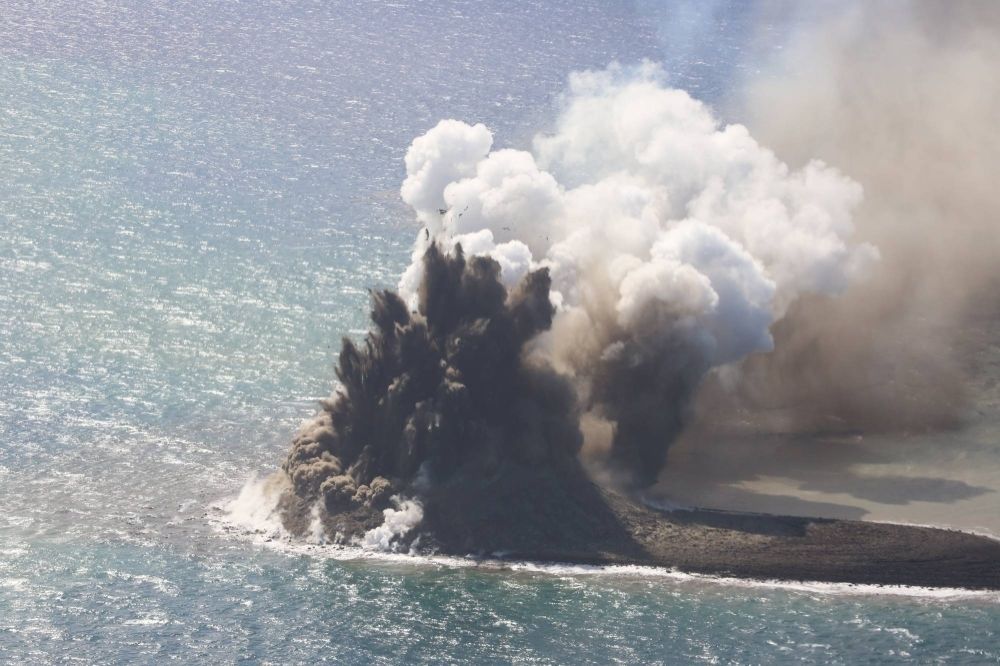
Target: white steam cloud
(656,222)
(398,522)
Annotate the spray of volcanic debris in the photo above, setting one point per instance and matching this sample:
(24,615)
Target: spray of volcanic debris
(438,393)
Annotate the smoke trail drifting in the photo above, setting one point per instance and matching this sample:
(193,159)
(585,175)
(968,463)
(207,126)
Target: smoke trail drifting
(905,97)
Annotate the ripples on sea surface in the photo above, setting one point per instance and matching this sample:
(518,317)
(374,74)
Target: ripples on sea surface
(194,197)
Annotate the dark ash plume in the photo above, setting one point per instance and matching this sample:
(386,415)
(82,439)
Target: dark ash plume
(441,394)
(646,393)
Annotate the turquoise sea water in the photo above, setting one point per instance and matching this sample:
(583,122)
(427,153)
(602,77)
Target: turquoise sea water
(194,197)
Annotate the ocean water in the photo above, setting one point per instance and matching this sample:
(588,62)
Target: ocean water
(194,197)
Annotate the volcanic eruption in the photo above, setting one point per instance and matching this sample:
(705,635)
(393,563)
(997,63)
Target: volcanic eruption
(561,308)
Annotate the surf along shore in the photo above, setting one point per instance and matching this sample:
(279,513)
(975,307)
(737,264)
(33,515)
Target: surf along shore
(584,523)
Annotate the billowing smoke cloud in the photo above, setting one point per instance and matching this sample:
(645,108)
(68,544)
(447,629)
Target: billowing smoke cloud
(571,298)
(673,242)
(904,97)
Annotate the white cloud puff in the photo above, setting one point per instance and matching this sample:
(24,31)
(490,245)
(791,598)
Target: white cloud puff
(650,214)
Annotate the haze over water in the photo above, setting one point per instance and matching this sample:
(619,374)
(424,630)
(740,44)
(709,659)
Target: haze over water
(194,198)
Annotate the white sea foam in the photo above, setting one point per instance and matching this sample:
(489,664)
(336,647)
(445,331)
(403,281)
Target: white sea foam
(254,512)
(255,509)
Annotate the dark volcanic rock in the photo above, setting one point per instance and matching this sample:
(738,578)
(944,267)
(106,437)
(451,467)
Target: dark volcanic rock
(531,514)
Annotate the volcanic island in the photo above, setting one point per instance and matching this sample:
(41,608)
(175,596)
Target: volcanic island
(442,406)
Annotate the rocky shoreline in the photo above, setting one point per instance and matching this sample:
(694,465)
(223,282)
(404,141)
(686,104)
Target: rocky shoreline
(532,516)
(772,547)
